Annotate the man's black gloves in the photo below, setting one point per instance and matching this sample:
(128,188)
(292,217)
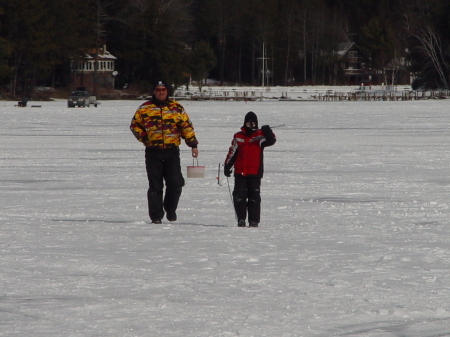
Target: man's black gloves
(227,171)
(266,130)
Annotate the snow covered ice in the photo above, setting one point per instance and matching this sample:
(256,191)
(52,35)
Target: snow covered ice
(354,238)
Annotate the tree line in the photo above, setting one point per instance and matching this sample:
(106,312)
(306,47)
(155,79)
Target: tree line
(289,42)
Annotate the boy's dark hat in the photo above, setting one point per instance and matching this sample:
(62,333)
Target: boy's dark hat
(251,116)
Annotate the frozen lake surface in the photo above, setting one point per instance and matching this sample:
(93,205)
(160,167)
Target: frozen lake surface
(354,238)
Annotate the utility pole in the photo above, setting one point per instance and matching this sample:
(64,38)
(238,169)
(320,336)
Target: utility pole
(96,48)
(264,64)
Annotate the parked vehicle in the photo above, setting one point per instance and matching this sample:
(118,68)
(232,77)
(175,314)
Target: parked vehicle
(81,98)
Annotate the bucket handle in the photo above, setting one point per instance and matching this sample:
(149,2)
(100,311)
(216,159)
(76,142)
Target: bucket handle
(193,161)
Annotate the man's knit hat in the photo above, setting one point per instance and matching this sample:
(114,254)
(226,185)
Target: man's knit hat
(160,83)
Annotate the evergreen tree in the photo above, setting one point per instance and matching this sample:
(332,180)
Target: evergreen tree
(5,52)
(202,61)
(377,44)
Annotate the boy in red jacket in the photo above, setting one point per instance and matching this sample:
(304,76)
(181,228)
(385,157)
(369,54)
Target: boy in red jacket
(246,155)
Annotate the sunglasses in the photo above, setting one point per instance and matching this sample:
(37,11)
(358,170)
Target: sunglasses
(160,89)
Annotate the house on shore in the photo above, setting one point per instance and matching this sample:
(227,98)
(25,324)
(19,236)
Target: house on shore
(357,72)
(354,67)
(94,72)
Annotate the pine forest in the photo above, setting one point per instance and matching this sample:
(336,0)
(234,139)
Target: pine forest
(234,42)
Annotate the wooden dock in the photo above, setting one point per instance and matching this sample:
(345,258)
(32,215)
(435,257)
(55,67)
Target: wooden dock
(382,95)
(227,96)
(329,95)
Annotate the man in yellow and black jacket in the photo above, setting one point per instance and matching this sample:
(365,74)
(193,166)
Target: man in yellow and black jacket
(160,124)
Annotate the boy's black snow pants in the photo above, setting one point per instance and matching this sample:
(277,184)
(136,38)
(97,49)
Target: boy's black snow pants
(247,198)
(163,165)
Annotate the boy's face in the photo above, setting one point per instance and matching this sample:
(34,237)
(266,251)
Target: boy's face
(250,124)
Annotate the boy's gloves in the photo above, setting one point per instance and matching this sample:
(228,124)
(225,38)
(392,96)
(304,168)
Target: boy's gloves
(227,171)
(266,130)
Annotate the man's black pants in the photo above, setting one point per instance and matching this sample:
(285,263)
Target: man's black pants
(163,165)
(247,198)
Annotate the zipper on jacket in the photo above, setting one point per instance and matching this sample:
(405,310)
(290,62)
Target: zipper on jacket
(161,127)
(245,147)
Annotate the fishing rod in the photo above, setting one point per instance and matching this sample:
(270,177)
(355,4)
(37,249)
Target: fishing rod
(231,196)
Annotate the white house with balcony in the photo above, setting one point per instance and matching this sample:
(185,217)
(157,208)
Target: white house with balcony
(95,71)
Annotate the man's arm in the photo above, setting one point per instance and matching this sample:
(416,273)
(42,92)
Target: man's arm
(137,129)
(194,152)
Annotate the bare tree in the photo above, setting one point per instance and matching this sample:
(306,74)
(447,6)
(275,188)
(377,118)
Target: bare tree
(432,47)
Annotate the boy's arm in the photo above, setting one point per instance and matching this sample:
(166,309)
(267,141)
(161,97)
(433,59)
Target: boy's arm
(231,158)
(268,135)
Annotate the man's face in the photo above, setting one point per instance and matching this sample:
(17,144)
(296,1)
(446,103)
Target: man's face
(160,93)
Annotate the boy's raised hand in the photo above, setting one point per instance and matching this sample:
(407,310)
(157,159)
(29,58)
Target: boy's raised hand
(266,130)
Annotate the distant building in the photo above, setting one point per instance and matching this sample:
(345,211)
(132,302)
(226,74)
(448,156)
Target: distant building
(353,65)
(357,72)
(83,71)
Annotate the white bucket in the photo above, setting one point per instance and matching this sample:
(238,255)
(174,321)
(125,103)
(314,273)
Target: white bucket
(195,171)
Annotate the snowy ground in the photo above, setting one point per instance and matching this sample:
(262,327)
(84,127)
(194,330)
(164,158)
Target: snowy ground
(354,239)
